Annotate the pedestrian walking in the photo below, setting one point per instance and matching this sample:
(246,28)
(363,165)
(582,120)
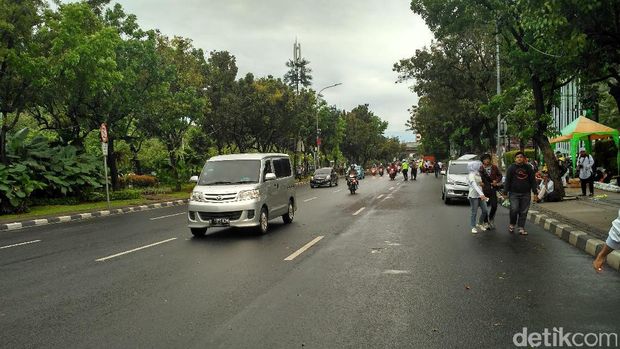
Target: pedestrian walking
(612,243)
(491,182)
(520,181)
(436,168)
(585,162)
(476,197)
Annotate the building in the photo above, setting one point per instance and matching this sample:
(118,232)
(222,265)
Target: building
(569,109)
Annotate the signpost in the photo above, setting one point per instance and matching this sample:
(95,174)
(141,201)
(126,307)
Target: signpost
(103,133)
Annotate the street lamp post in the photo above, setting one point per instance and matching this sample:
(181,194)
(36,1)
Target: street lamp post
(316,157)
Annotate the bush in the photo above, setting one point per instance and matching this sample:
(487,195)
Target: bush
(155,190)
(138,181)
(509,156)
(43,201)
(35,168)
(125,194)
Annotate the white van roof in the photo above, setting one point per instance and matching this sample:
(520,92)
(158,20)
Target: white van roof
(246,156)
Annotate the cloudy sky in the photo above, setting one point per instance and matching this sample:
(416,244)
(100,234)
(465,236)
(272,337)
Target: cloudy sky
(355,42)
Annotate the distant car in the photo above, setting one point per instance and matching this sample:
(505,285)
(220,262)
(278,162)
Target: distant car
(455,184)
(360,172)
(324,176)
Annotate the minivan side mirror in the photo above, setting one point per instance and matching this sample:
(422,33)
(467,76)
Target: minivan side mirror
(193,179)
(270,176)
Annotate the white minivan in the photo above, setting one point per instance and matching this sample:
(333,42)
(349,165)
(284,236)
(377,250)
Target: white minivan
(242,190)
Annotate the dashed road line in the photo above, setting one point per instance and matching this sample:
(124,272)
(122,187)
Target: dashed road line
(312,198)
(359,211)
(20,244)
(133,250)
(304,248)
(339,190)
(380,196)
(391,188)
(170,215)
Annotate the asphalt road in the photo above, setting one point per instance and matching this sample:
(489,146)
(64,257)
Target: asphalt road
(395,268)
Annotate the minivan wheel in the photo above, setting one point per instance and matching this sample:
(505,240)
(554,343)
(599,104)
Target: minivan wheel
(263,221)
(290,214)
(198,232)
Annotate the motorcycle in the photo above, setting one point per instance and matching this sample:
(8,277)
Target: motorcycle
(381,171)
(352,183)
(392,173)
(373,171)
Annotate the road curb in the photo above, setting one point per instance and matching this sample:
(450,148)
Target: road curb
(88,215)
(579,239)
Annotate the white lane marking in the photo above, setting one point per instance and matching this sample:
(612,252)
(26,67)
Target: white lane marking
(391,188)
(380,196)
(20,244)
(387,197)
(396,271)
(304,248)
(339,190)
(170,215)
(358,211)
(312,198)
(134,250)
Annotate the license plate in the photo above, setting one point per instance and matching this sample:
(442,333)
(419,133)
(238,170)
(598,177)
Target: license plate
(220,221)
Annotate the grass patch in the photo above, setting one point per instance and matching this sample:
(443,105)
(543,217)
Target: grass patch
(62,210)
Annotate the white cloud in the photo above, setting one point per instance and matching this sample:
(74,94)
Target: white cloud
(355,42)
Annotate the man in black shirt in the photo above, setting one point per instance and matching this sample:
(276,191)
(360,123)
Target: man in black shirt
(520,181)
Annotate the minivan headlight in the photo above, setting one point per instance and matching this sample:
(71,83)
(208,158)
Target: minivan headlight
(450,181)
(248,194)
(197,196)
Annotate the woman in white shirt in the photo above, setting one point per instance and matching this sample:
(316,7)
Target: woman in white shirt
(476,196)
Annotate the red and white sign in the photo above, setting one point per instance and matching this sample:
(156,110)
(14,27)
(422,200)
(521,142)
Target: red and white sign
(103,133)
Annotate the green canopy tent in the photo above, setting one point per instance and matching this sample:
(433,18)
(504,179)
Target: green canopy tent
(585,130)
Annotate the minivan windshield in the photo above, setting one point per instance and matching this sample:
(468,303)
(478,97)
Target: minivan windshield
(230,172)
(458,169)
(323,171)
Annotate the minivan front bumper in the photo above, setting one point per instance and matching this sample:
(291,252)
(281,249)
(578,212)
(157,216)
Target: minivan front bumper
(456,191)
(239,213)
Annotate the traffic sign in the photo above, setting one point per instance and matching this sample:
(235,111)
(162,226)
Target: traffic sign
(103,133)
(104,149)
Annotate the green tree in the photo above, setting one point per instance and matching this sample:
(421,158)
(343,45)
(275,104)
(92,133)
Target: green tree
(20,63)
(179,99)
(363,135)
(81,65)
(299,73)
(220,73)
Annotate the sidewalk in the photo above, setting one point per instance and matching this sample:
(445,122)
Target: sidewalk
(590,214)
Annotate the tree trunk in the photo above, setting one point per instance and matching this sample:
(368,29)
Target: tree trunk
(112,164)
(137,166)
(3,135)
(541,139)
(175,171)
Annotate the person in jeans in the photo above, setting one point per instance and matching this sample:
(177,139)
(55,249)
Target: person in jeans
(520,181)
(585,162)
(476,196)
(491,182)
(612,243)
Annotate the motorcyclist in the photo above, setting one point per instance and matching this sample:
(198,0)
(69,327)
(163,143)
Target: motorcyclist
(352,171)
